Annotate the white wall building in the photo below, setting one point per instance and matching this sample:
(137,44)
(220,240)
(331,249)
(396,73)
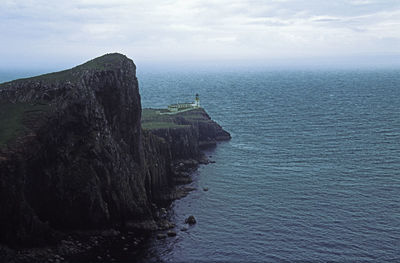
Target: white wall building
(185,106)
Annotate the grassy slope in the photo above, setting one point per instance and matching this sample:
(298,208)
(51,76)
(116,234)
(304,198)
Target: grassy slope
(101,63)
(12,119)
(151,119)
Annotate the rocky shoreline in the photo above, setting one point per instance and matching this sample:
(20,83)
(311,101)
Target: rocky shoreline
(111,245)
(85,170)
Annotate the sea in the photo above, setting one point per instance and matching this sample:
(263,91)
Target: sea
(312,173)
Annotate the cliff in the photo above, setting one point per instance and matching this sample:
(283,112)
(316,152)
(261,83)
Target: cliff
(181,136)
(74,156)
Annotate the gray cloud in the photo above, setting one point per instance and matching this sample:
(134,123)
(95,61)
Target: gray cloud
(154,31)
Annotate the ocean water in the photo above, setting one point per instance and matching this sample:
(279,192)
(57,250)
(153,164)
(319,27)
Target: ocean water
(312,172)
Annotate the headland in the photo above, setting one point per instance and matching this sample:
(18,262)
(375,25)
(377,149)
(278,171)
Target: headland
(82,164)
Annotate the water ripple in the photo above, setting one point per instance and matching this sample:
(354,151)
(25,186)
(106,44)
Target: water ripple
(312,172)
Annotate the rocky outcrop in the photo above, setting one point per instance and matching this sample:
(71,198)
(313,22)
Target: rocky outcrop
(209,132)
(82,167)
(190,220)
(84,162)
(183,142)
(179,142)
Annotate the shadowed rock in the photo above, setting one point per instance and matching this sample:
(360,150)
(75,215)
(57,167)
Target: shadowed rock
(190,220)
(171,233)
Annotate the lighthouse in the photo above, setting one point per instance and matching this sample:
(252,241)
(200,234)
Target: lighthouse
(185,106)
(197,101)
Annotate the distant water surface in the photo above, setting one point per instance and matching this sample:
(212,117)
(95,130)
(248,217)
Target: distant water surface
(312,171)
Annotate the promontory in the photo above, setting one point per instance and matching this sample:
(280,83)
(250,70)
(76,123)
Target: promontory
(74,155)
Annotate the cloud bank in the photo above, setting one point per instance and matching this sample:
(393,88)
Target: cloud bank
(36,32)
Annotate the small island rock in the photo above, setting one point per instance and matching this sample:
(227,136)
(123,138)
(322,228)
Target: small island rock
(190,220)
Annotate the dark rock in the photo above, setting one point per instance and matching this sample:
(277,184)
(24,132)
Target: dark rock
(163,211)
(190,220)
(161,236)
(205,189)
(207,143)
(182,192)
(182,180)
(184,228)
(110,233)
(204,160)
(190,163)
(171,233)
(87,147)
(165,224)
(144,225)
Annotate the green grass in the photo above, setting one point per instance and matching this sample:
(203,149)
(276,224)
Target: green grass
(101,63)
(12,119)
(104,62)
(152,119)
(153,115)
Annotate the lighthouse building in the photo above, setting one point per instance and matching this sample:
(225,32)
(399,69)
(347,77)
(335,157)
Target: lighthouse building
(185,106)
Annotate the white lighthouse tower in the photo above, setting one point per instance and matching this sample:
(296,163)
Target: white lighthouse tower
(197,101)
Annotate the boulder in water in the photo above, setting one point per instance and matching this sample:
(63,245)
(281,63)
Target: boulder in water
(190,220)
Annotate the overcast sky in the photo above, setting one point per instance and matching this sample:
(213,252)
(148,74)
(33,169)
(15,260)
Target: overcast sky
(43,33)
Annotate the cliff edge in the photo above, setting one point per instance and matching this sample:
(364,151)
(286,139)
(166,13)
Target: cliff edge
(74,156)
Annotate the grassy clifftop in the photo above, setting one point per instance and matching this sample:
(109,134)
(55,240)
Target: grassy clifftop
(20,116)
(153,119)
(108,61)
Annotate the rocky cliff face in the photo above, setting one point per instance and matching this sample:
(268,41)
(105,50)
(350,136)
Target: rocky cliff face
(82,160)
